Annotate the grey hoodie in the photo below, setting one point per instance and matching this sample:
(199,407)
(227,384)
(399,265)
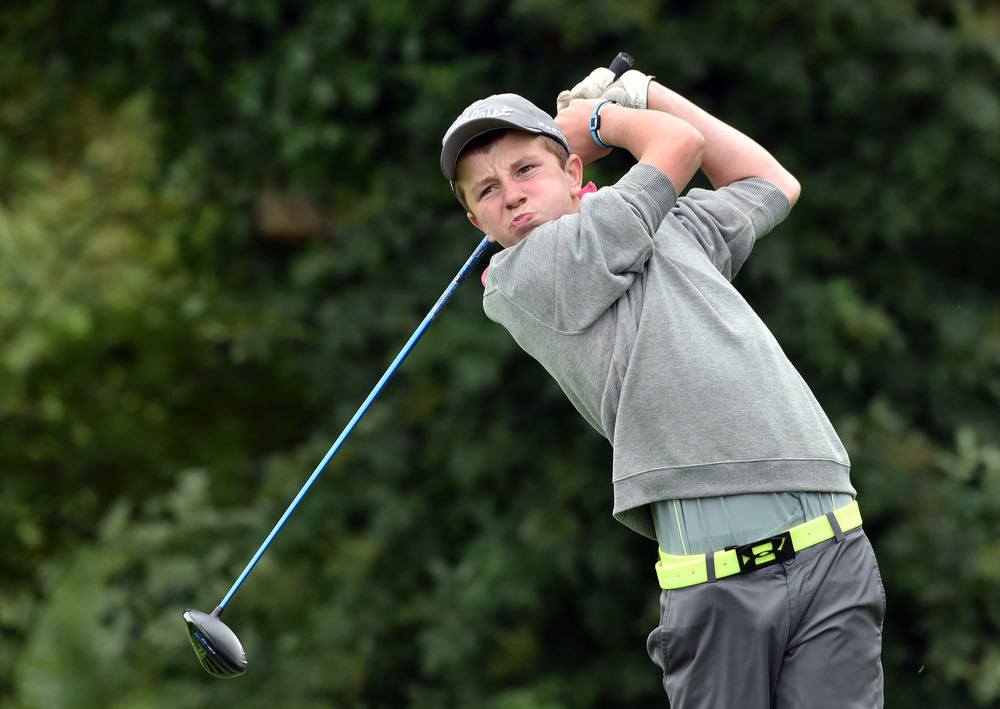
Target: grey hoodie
(628,305)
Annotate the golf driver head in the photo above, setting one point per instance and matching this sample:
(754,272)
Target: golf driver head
(218,649)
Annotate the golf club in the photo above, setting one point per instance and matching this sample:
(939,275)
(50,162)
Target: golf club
(218,649)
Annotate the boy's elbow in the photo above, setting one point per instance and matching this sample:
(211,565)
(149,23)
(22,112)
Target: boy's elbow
(785,181)
(792,189)
(690,151)
(697,141)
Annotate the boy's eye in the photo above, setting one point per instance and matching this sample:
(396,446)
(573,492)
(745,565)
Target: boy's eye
(486,191)
(525,169)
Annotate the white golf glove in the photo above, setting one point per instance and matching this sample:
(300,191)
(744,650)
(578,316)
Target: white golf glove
(630,90)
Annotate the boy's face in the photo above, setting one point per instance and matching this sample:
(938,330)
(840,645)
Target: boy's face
(516,185)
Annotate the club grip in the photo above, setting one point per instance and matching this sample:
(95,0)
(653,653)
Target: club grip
(620,64)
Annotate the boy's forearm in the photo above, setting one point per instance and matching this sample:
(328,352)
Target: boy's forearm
(661,139)
(729,155)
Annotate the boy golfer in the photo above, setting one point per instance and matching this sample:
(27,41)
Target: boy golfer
(770,590)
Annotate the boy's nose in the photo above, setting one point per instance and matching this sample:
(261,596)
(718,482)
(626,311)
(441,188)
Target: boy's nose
(512,193)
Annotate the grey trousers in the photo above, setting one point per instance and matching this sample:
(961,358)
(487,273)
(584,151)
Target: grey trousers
(803,633)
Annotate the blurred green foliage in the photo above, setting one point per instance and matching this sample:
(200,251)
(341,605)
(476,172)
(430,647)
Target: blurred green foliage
(176,355)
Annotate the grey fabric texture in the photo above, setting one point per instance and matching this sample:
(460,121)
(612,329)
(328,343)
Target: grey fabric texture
(706,524)
(803,633)
(628,305)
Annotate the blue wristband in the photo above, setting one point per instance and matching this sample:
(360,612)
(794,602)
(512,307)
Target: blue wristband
(595,123)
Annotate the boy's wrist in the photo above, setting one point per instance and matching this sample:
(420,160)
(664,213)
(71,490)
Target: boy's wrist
(595,123)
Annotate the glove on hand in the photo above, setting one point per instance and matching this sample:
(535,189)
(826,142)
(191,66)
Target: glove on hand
(630,90)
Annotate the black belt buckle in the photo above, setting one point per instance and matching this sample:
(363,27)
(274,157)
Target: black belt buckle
(766,552)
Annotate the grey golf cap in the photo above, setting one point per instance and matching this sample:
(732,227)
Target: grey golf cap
(492,113)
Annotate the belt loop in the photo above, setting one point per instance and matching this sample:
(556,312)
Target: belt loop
(838,533)
(710,566)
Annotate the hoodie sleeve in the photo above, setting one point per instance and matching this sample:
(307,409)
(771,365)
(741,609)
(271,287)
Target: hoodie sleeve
(727,222)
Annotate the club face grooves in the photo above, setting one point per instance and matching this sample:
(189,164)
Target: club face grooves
(217,647)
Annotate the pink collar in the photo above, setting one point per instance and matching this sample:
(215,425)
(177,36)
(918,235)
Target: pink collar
(588,188)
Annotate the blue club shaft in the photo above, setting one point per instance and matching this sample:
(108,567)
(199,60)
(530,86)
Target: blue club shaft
(417,334)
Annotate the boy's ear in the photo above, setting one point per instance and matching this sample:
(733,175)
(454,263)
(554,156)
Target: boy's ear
(475,223)
(574,169)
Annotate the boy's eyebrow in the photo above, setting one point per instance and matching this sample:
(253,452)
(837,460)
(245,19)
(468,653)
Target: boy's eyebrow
(481,181)
(519,162)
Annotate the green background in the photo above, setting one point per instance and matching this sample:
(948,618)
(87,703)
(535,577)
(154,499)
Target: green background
(219,222)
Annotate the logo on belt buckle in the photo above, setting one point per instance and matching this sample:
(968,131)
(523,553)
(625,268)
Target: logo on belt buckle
(766,552)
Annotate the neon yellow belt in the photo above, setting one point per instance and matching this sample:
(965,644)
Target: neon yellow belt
(674,571)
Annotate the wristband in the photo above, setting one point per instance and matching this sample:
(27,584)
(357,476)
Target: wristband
(595,123)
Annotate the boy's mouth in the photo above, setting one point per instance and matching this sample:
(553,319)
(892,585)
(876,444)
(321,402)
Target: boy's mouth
(521,221)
